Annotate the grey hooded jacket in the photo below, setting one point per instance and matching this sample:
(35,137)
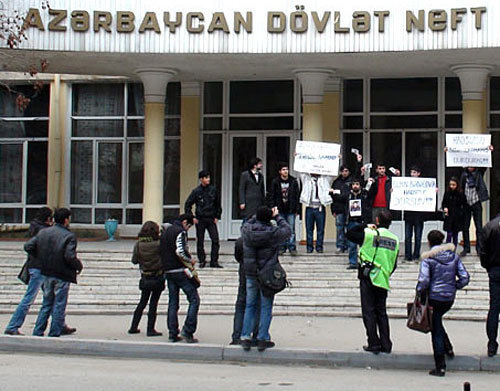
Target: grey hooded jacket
(442,273)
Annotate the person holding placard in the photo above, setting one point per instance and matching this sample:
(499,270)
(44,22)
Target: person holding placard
(414,222)
(358,206)
(475,193)
(315,196)
(339,192)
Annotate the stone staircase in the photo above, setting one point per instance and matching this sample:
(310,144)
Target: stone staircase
(321,287)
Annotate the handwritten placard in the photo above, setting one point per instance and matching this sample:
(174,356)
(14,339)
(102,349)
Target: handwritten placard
(317,158)
(413,194)
(468,150)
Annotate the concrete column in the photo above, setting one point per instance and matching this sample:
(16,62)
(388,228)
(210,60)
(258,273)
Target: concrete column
(190,138)
(56,169)
(473,79)
(155,82)
(313,82)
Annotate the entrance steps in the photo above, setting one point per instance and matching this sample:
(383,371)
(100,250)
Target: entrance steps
(321,286)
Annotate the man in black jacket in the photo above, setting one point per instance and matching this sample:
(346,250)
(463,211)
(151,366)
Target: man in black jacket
(178,265)
(208,212)
(476,193)
(261,241)
(252,191)
(490,259)
(285,196)
(339,193)
(55,249)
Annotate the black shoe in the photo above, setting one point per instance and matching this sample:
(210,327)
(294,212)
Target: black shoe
(463,254)
(189,338)
(408,259)
(437,372)
(17,332)
(492,348)
(372,349)
(134,331)
(319,251)
(263,345)
(174,338)
(216,265)
(351,267)
(246,344)
(68,330)
(154,333)
(202,264)
(235,341)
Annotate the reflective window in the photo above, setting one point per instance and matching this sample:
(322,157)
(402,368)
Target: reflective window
(392,95)
(351,140)
(212,152)
(353,96)
(212,98)
(253,97)
(101,99)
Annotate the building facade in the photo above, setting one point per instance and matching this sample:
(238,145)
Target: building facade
(142,95)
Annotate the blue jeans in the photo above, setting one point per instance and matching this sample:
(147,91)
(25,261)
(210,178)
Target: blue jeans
(55,299)
(266,312)
(240,306)
(36,281)
(290,244)
(440,340)
(176,282)
(410,226)
(340,223)
(315,216)
(351,246)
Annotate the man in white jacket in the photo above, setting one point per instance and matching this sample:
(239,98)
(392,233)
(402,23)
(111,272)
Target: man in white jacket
(315,196)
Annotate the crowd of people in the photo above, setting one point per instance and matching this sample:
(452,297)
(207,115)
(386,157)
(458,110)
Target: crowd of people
(362,216)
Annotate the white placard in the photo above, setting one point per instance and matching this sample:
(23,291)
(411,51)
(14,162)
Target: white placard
(468,150)
(355,208)
(413,194)
(317,158)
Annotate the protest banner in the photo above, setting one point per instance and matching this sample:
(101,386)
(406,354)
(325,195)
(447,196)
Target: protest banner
(468,150)
(413,194)
(317,158)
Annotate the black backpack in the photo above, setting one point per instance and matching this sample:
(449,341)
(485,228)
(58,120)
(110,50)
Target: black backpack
(272,279)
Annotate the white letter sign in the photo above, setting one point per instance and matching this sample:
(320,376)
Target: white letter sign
(415,194)
(317,158)
(468,150)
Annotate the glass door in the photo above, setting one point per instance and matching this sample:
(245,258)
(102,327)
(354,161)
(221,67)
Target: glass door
(271,148)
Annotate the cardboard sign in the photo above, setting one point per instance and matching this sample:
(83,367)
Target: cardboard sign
(413,194)
(468,150)
(317,158)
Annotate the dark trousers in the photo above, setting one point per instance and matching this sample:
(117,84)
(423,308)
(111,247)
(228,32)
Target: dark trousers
(315,216)
(410,227)
(452,236)
(476,211)
(146,294)
(207,223)
(240,305)
(374,313)
(494,311)
(176,282)
(440,340)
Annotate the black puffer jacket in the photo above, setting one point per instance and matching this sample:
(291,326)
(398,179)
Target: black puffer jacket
(147,255)
(455,201)
(55,248)
(207,201)
(35,227)
(261,243)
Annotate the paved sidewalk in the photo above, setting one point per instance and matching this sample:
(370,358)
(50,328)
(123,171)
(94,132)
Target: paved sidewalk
(300,340)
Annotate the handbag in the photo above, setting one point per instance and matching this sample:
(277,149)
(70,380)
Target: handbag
(420,315)
(24,274)
(272,279)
